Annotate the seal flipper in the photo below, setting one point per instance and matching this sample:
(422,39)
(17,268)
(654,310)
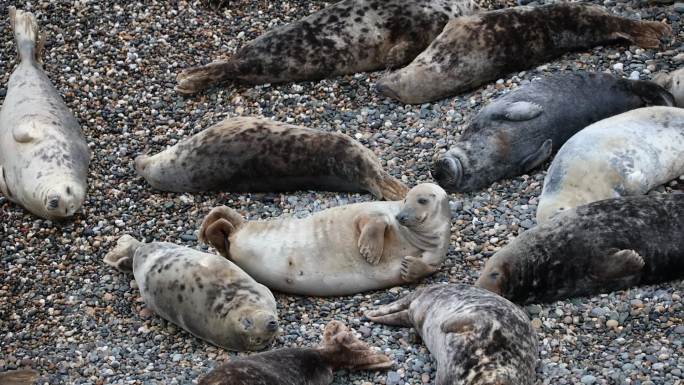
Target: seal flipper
(521,111)
(121,256)
(645,34)
(619,264)
(538,157)
(395,313)
(459,324)
(341,349)
(413,268)
(3,184)
(371,241)
(217,227)
(24,132)
(18,377)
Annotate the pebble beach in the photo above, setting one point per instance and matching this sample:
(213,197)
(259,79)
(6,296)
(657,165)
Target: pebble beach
(75,320)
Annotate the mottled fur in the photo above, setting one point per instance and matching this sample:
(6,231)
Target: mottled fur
(255,154)
(202,293)
(673,82)
(521,129)
(301,366)
(604,246)
(475,49)
(476,337)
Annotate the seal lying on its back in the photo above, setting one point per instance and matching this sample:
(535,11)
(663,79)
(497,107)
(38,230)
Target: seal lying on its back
(473,50)
(345,38)
(627,154)
(255,155)
(600,247)
(301,366)
(521,129)
(673,82)
(202,293)
(342,250)
(43,154)
(476,337)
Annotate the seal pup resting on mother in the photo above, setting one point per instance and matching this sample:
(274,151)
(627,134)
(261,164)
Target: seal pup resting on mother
(604,246)
(627,154)
(202,293)
(347,37)
(261,155)
(521,129)
(43,154)
(473,50)
(342,250)
(298,366)
(476,337)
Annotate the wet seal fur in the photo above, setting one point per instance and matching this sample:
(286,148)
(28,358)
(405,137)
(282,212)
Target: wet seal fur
(260,155)
(673,82)
(342,250)
(476,337)
(347,37)
(597,248)
(520,130)
(473,50)
(204,294)
(297,366)
(43,154)
(627,154)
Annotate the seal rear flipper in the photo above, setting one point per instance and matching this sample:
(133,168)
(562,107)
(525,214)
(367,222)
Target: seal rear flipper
(18,377)
(341,349)
(121,256)
(395,313)
(538,157)
(388,188)
(371,241)
(217,227)
(618,264)
(26,34)
(650,93)
(193,80)
(459,324)
(645,34)
(519,111)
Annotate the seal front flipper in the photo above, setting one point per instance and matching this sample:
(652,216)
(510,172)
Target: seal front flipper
(520,111)
(395,313)
(459,324)
(413,268)
(618,264)
(371,241)
(217,227)
(538,157)
(25,132)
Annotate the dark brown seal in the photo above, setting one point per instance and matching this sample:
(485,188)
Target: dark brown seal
(297,366)
(475,49)
(600,247)
(347,37)
(261,155)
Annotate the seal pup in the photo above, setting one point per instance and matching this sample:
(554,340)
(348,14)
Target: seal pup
(673,82)
(296,366)
(627,154)
(18,377)
(347,37)
(473,50)
(342,250)
(601,247)
(520,130)
(43,154)
(204,294)
(476,337)
(256,155)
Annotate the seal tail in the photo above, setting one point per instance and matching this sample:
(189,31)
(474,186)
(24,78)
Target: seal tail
(646,34)
(217,227)
(26,34)
(19,377)
(121,256)
(193,80)
(341,349)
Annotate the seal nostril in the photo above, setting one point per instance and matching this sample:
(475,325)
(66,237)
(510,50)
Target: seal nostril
(272,326)
(68,190)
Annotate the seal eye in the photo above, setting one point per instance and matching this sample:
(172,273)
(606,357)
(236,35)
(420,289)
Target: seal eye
(247,323)
(494,275)
(422,201)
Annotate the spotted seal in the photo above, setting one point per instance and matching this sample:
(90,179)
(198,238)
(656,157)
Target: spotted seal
(296,366)
(520,130)
(604,246)
(204,294)
(347,37)
(627,154)
(256,155)
(673,82)
(342,250)
(476,337)
(475,49)
(43,154)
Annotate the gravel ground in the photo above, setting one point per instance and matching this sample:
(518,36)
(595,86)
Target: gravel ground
(77,321)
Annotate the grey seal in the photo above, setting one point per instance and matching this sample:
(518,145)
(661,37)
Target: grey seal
(473,50)
(476,337)
(204,294)
(297,366)
(520,130)
(260,155)
(600,247)
(43,154)
(627,154)
(673,82)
